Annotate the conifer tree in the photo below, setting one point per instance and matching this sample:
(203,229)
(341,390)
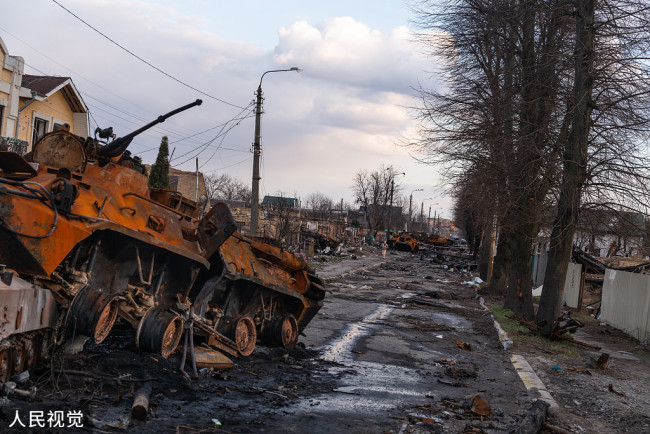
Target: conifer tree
(159,174)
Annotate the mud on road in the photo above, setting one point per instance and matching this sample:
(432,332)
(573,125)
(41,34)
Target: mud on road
(400,345)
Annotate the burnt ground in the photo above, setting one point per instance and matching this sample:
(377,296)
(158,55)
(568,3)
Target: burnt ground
(382,355)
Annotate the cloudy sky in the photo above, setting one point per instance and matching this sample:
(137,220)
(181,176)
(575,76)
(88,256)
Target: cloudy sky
(346,111)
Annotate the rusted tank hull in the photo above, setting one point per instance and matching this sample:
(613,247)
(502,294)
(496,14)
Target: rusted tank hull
(404,243)
(101,245)
(274,289)
(29,317)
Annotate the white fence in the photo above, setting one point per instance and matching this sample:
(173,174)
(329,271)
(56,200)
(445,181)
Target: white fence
(626,303)
(572,285)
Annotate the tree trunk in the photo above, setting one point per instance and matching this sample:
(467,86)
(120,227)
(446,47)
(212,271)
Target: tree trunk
(519,297)
(575,169)
(499,281)
(485,256)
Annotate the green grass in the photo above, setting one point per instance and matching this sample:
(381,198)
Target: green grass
(511,326)
(521,335)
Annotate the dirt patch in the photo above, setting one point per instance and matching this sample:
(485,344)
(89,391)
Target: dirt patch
(613,399)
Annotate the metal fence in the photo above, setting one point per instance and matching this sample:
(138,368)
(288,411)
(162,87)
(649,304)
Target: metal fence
(626,303)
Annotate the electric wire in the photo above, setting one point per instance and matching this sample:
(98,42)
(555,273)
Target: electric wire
(230,165)
(219,134)
(169,132)
(88,80)
(202,147)
(43,196)
(143,60)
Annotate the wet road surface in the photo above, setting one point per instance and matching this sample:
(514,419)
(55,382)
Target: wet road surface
(380,356)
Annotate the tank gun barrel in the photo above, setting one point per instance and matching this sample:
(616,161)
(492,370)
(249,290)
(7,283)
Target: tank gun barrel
(119,145)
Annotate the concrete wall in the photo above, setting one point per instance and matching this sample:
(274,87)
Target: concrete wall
(626,303)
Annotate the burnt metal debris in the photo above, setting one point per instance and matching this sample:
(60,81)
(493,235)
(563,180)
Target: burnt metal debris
(84,241)
(404,243)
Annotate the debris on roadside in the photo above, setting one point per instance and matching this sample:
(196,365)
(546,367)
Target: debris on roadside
(579,370)
(140,407)
(561,326)
(610,387)
(480,406)
(600,363)
(535,418)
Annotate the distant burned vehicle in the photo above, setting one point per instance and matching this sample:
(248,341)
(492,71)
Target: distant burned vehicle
(437,240)
(83,241)
(404,242)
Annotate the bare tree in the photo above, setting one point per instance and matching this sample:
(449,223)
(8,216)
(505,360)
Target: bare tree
(516,108)
(226,187)
(320,205)
(609,114)
(376,192)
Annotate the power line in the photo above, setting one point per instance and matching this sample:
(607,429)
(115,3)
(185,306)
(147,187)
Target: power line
(87,79)
(230,165)
(209,129)
(203,148)
(144,61)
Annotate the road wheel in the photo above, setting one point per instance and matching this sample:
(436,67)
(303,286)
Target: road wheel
(245,335)
(159,332)
(288,331)
(92,313)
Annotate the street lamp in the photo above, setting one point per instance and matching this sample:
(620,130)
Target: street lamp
(422,212)
(392,190)
(410,205)
(257,151)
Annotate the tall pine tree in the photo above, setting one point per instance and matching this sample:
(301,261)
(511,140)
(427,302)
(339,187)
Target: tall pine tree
(159,175)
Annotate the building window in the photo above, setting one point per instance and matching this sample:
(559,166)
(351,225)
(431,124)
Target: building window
(173,182)
(2,118)
(40,128)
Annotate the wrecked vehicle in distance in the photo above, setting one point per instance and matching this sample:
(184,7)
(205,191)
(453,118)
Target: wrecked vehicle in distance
(83,241)
(404,243)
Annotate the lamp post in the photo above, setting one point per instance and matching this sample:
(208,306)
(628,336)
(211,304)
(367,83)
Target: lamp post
(255,196)
(422,212)
(392,190)
(410,207)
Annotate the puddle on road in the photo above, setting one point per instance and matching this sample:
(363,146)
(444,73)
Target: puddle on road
(365,386)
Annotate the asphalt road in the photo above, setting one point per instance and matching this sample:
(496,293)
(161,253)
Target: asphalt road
(390,332)
(382,355)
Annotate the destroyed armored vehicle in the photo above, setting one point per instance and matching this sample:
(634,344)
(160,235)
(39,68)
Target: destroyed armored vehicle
(84,241)
(404,243)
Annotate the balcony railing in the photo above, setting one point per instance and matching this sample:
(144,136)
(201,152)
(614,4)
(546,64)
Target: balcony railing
(15,145)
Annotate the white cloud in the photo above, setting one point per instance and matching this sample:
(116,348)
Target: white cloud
(349,52)
(344,113)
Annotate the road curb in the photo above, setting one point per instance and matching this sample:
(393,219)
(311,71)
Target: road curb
(526,372)
(531,380)
(505,340)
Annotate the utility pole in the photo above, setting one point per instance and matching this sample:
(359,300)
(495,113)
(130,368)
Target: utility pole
(392,190)
(255,196)
(410,221)
(196,194)
(390,208)
(255,190)
(422,212)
